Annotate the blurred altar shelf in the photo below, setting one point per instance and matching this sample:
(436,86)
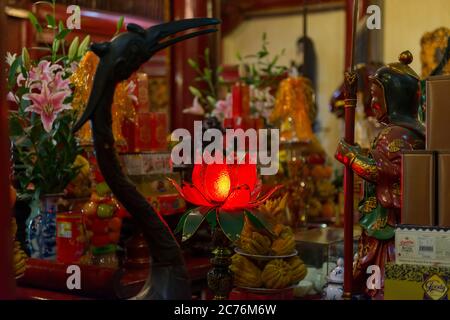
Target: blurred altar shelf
(148,129)
(426,174)
(149,172)
(145,156)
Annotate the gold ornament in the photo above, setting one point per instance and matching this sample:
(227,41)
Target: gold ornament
(433,45)
(82,80)
(294,110)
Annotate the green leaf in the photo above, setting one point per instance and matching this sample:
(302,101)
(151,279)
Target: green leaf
(262,54)
(193,63)
(15,129)
(219,70)
(120,24)
(13,71)
(63,34)
(26,59)
(207,72)
(195,92)
(258,221)
(61,26)
(180,224)
(211,101)
(51,23)
(231,224)
(84,46)
(34,21)
(73,49)
(55,48)
(211,218)
(192,223)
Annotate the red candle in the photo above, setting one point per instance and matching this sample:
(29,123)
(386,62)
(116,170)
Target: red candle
(245,92)
(237,100)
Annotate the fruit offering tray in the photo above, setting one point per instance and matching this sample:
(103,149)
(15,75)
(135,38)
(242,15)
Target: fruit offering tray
(267,274)
(266,290)
(264,257)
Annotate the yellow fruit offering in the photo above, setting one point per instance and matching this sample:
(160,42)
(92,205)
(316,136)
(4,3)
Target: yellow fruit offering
(281,247)
(277,274)
(298,269)
(246,274)
(255,243)
(284,242)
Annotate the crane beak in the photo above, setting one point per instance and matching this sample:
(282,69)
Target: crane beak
(166,32)
(164,36)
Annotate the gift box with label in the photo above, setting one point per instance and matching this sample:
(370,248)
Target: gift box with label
(419,245)
(415,282)
(147,133)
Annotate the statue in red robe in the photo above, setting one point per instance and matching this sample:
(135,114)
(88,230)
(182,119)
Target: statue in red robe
(395,93)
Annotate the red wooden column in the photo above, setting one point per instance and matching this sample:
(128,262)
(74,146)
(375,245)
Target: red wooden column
(182,75)
(7,283)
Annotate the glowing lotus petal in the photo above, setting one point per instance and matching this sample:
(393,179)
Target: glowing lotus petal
(239,198)
(217,182)
(245,174)
(264,198)
(191,194)
(226,187)
(197,176)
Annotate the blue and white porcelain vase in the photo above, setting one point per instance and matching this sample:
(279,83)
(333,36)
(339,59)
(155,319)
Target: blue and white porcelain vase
(41,229)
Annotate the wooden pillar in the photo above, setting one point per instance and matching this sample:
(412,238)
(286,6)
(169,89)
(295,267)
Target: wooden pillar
(182,75)
(7,284)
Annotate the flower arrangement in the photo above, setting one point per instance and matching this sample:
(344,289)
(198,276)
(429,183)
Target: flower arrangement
(206,95)
(262,73)
(260,70)
(44,146)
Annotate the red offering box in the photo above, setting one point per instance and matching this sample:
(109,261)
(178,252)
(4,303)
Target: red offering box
(159,131)
(69,237)
(149,133)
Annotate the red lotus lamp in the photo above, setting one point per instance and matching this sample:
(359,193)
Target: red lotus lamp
(225,194)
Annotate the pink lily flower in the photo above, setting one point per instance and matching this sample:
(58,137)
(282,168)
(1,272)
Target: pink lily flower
(44,71)
(58,84)
(47,104)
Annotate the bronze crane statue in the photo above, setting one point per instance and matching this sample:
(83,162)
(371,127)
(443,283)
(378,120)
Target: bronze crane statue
(119,59)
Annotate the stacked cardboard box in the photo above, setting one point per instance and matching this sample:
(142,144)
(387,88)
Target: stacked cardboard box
(426,174)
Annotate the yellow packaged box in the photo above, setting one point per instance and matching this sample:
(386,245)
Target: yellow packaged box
(415,282)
